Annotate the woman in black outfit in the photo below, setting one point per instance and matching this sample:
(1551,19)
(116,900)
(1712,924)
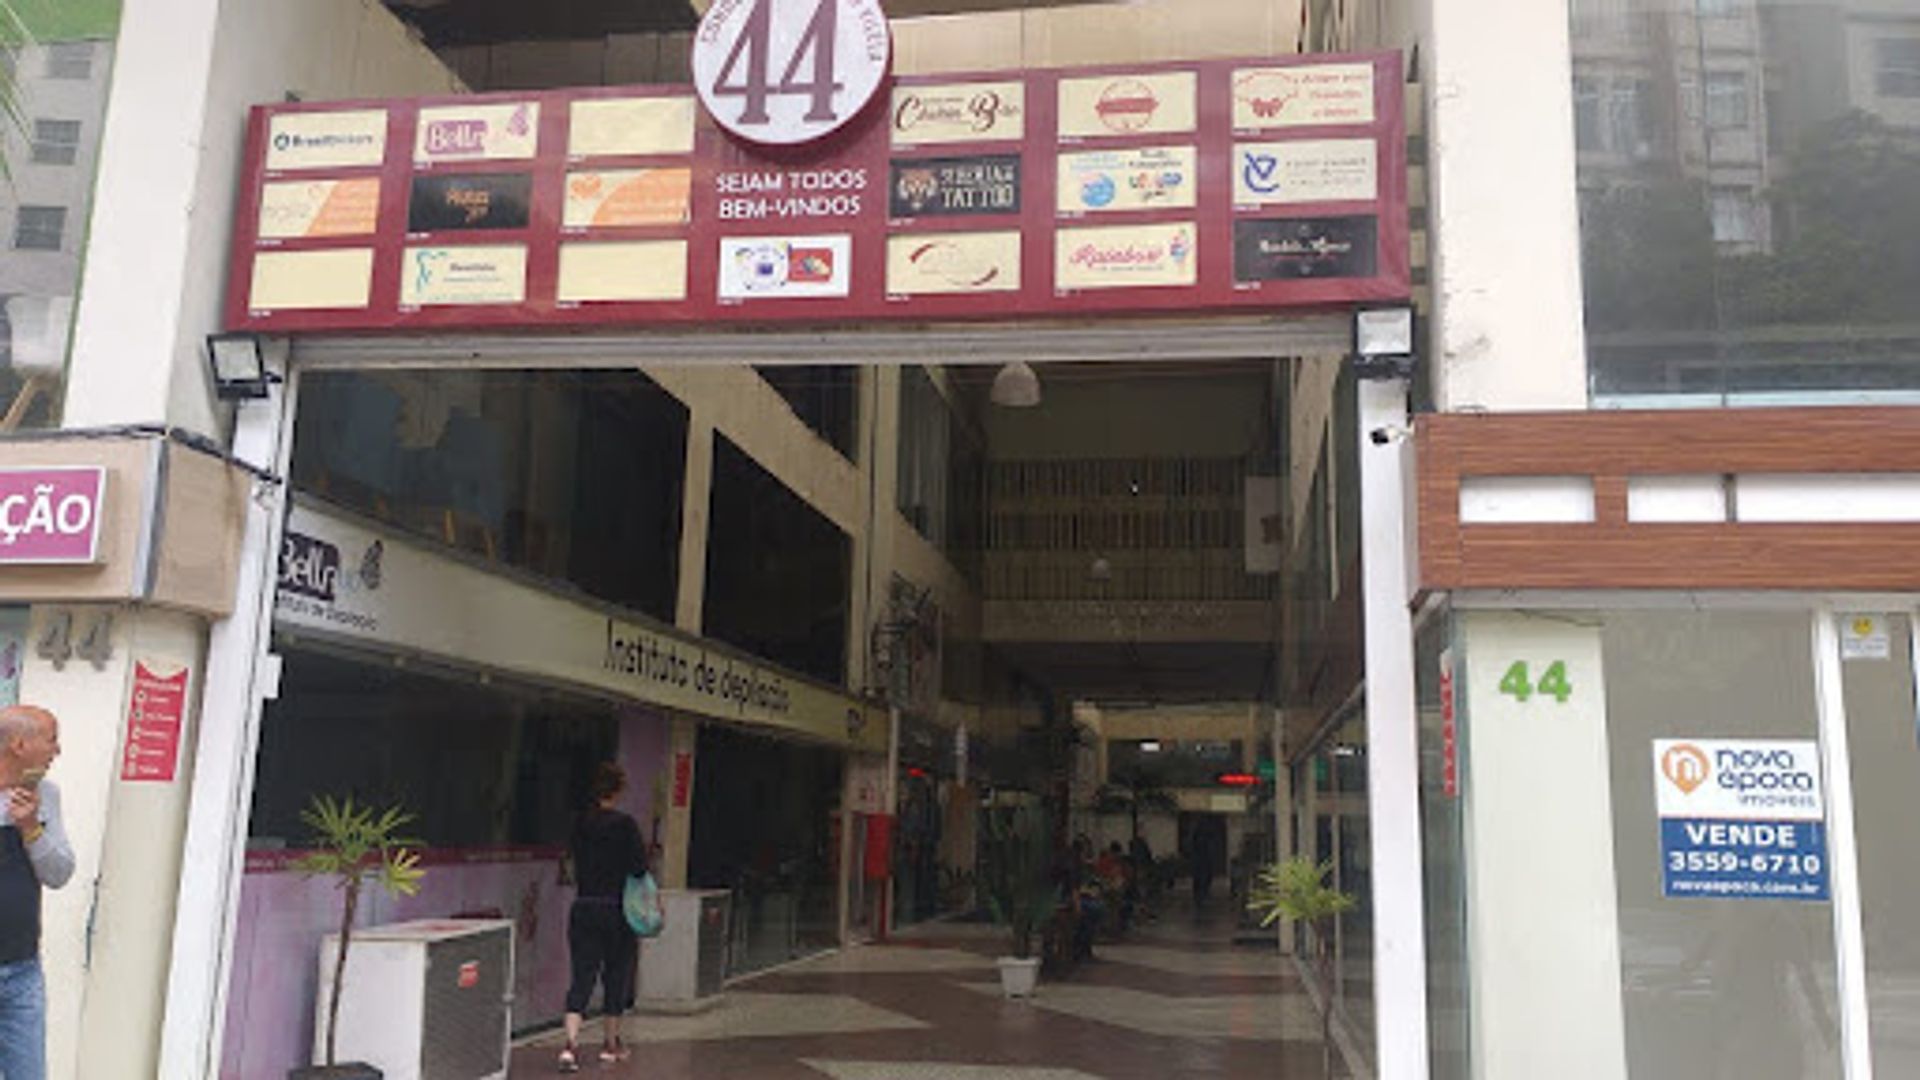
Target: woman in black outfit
(607,848)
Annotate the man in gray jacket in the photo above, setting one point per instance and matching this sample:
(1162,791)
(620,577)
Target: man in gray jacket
(34,854)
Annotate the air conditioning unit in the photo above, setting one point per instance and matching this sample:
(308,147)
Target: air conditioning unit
(427,1000)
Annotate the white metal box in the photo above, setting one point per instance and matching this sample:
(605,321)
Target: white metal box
(427,1000)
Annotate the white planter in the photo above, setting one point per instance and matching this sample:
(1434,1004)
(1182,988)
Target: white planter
(1017,977)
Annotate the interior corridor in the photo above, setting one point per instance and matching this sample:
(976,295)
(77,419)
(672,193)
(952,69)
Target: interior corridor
(1177,998)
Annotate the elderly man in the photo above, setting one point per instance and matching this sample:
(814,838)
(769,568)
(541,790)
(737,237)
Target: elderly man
(33,854)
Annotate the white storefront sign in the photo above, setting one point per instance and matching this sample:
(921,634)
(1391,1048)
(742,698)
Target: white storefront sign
(343,579)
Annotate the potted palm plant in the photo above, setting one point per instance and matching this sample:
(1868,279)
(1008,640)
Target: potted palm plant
(1297,889)
(1015,878)
(353,844)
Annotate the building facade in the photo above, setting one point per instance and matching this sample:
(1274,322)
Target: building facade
(1475,626)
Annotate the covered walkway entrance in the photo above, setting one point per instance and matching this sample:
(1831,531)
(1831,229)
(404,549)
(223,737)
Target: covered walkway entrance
(1178,999)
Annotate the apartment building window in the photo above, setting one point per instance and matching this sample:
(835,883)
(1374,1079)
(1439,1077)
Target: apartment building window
(39,228)
(1586,115)
(1733,217)
(55,142)
(1727,105)
(1897,67)
(70,60)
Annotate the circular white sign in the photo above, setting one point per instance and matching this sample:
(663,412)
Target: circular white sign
(785,72)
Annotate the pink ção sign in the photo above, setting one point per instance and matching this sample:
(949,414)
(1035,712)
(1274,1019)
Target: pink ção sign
(51,515)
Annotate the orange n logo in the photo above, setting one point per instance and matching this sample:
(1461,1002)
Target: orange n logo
(1686,766)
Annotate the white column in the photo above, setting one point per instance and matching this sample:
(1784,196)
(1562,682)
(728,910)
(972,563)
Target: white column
(1506,262)
(1843,852)
(1542,908)
(240,675)
(132,902)
(1393,749)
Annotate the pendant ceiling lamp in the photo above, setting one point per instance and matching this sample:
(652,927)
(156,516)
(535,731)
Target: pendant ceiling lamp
(1016,386)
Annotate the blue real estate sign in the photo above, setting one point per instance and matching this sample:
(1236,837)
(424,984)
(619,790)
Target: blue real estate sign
(1741,819)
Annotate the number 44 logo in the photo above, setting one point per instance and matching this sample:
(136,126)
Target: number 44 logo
(789,71)
(1518,682)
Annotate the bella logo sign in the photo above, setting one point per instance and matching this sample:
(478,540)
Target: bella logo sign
(1685,766)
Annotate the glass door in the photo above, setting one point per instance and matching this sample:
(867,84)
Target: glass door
(1877,661)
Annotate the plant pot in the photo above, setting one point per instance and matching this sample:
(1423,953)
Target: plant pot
(1017,977)
(351,1070)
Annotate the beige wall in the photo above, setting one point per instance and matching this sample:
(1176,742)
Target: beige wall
(169,178)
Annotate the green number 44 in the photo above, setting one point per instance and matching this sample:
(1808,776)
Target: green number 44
(1518,682)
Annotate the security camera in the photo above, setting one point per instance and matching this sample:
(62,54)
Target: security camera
(1382,436)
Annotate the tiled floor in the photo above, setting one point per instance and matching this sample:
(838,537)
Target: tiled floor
(1178,999)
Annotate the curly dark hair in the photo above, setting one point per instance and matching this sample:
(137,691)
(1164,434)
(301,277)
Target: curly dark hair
(608,780)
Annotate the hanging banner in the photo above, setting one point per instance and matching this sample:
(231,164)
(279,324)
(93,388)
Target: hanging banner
(155,712)
(1179,188)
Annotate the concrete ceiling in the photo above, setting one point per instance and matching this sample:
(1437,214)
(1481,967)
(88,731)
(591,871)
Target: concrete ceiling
(1155,673)
(490,22)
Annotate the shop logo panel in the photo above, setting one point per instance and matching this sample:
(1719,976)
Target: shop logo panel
(646,270)
(1125,257)
(463,275)
(959,112)
(774,267)
(1310,171)
(483,201)
(328,140)
(628,197)
(1154,178)
(955,187)
(630,127)
(1318,95)
(315,209)
(1294,249)
(1145,104)
(936,264)
(477,133)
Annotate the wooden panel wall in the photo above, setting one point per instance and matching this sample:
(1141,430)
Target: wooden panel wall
(1613,553)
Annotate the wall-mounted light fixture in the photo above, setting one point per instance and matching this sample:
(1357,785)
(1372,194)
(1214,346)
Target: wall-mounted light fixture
(239,366)
(1383,342)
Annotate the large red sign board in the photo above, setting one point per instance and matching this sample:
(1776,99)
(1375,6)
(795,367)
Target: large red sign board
(1175,188)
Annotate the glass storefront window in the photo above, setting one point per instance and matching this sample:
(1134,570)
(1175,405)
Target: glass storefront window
(1736,987)
(1883,747)
(941,471)
(765,829)
(576,477)
(479,765)
(778,571)
(1749,183)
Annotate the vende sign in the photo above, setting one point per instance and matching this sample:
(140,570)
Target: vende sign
(51,516)
(785,72)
